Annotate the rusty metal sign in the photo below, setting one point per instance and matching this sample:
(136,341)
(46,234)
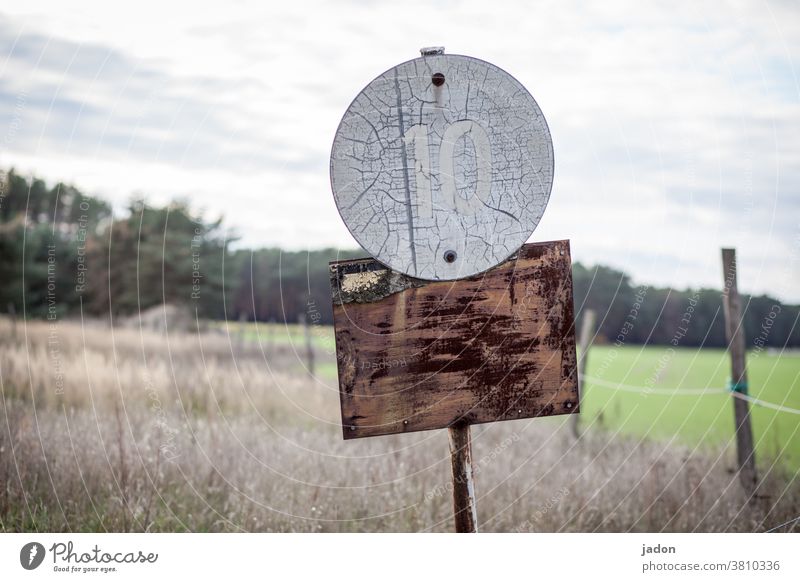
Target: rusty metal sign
(416,355)
(442,166)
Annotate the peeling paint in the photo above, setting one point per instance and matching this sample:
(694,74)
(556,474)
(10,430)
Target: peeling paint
(366,281)
(360,282)
(442,167)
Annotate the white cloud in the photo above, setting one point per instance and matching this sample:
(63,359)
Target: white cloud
(675,126)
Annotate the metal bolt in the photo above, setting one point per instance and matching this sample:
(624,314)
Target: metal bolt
(569,404)
(405,422)
(428,51)
(450,256)
(437,79)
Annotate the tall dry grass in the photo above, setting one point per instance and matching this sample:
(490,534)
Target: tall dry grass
(125,430)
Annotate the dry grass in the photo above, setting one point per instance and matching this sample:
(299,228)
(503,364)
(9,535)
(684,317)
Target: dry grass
(133,431)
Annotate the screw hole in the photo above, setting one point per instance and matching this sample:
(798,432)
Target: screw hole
(450,257)
(437,79)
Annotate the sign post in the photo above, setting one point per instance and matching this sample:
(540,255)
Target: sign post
(419,355)
(441,168)
(464,508)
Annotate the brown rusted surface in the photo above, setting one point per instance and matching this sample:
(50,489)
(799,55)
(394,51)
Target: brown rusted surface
(416,355)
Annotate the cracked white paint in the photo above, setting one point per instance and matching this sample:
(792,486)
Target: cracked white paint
(419,170)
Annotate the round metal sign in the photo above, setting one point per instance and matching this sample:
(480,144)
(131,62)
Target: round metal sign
(442,167)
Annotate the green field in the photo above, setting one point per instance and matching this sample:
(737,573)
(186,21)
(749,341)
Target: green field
(691,418)
(663,413)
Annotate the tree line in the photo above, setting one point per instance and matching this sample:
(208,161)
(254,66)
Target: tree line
(64,253)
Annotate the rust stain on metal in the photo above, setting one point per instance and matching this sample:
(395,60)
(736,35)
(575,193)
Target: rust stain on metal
(418,355)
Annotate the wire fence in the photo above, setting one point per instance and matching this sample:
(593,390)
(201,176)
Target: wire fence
(686,392)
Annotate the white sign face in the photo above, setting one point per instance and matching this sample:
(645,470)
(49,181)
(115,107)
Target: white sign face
(442,167)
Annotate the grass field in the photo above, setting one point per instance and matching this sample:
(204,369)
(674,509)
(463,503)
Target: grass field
(667,405)
(225,430)
(672,410)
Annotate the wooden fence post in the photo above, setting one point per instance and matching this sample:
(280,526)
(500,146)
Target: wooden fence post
(271,324)
(734,333)
(242,330)
(585,340)
(309,347)
(12,311)
(466,518)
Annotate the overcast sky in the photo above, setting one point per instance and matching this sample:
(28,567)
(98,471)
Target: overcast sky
(676,127)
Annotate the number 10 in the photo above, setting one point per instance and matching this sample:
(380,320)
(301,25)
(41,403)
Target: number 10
(418,134)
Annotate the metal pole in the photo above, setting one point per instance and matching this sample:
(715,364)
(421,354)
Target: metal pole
(734,332)
(587,329)
(466,518)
